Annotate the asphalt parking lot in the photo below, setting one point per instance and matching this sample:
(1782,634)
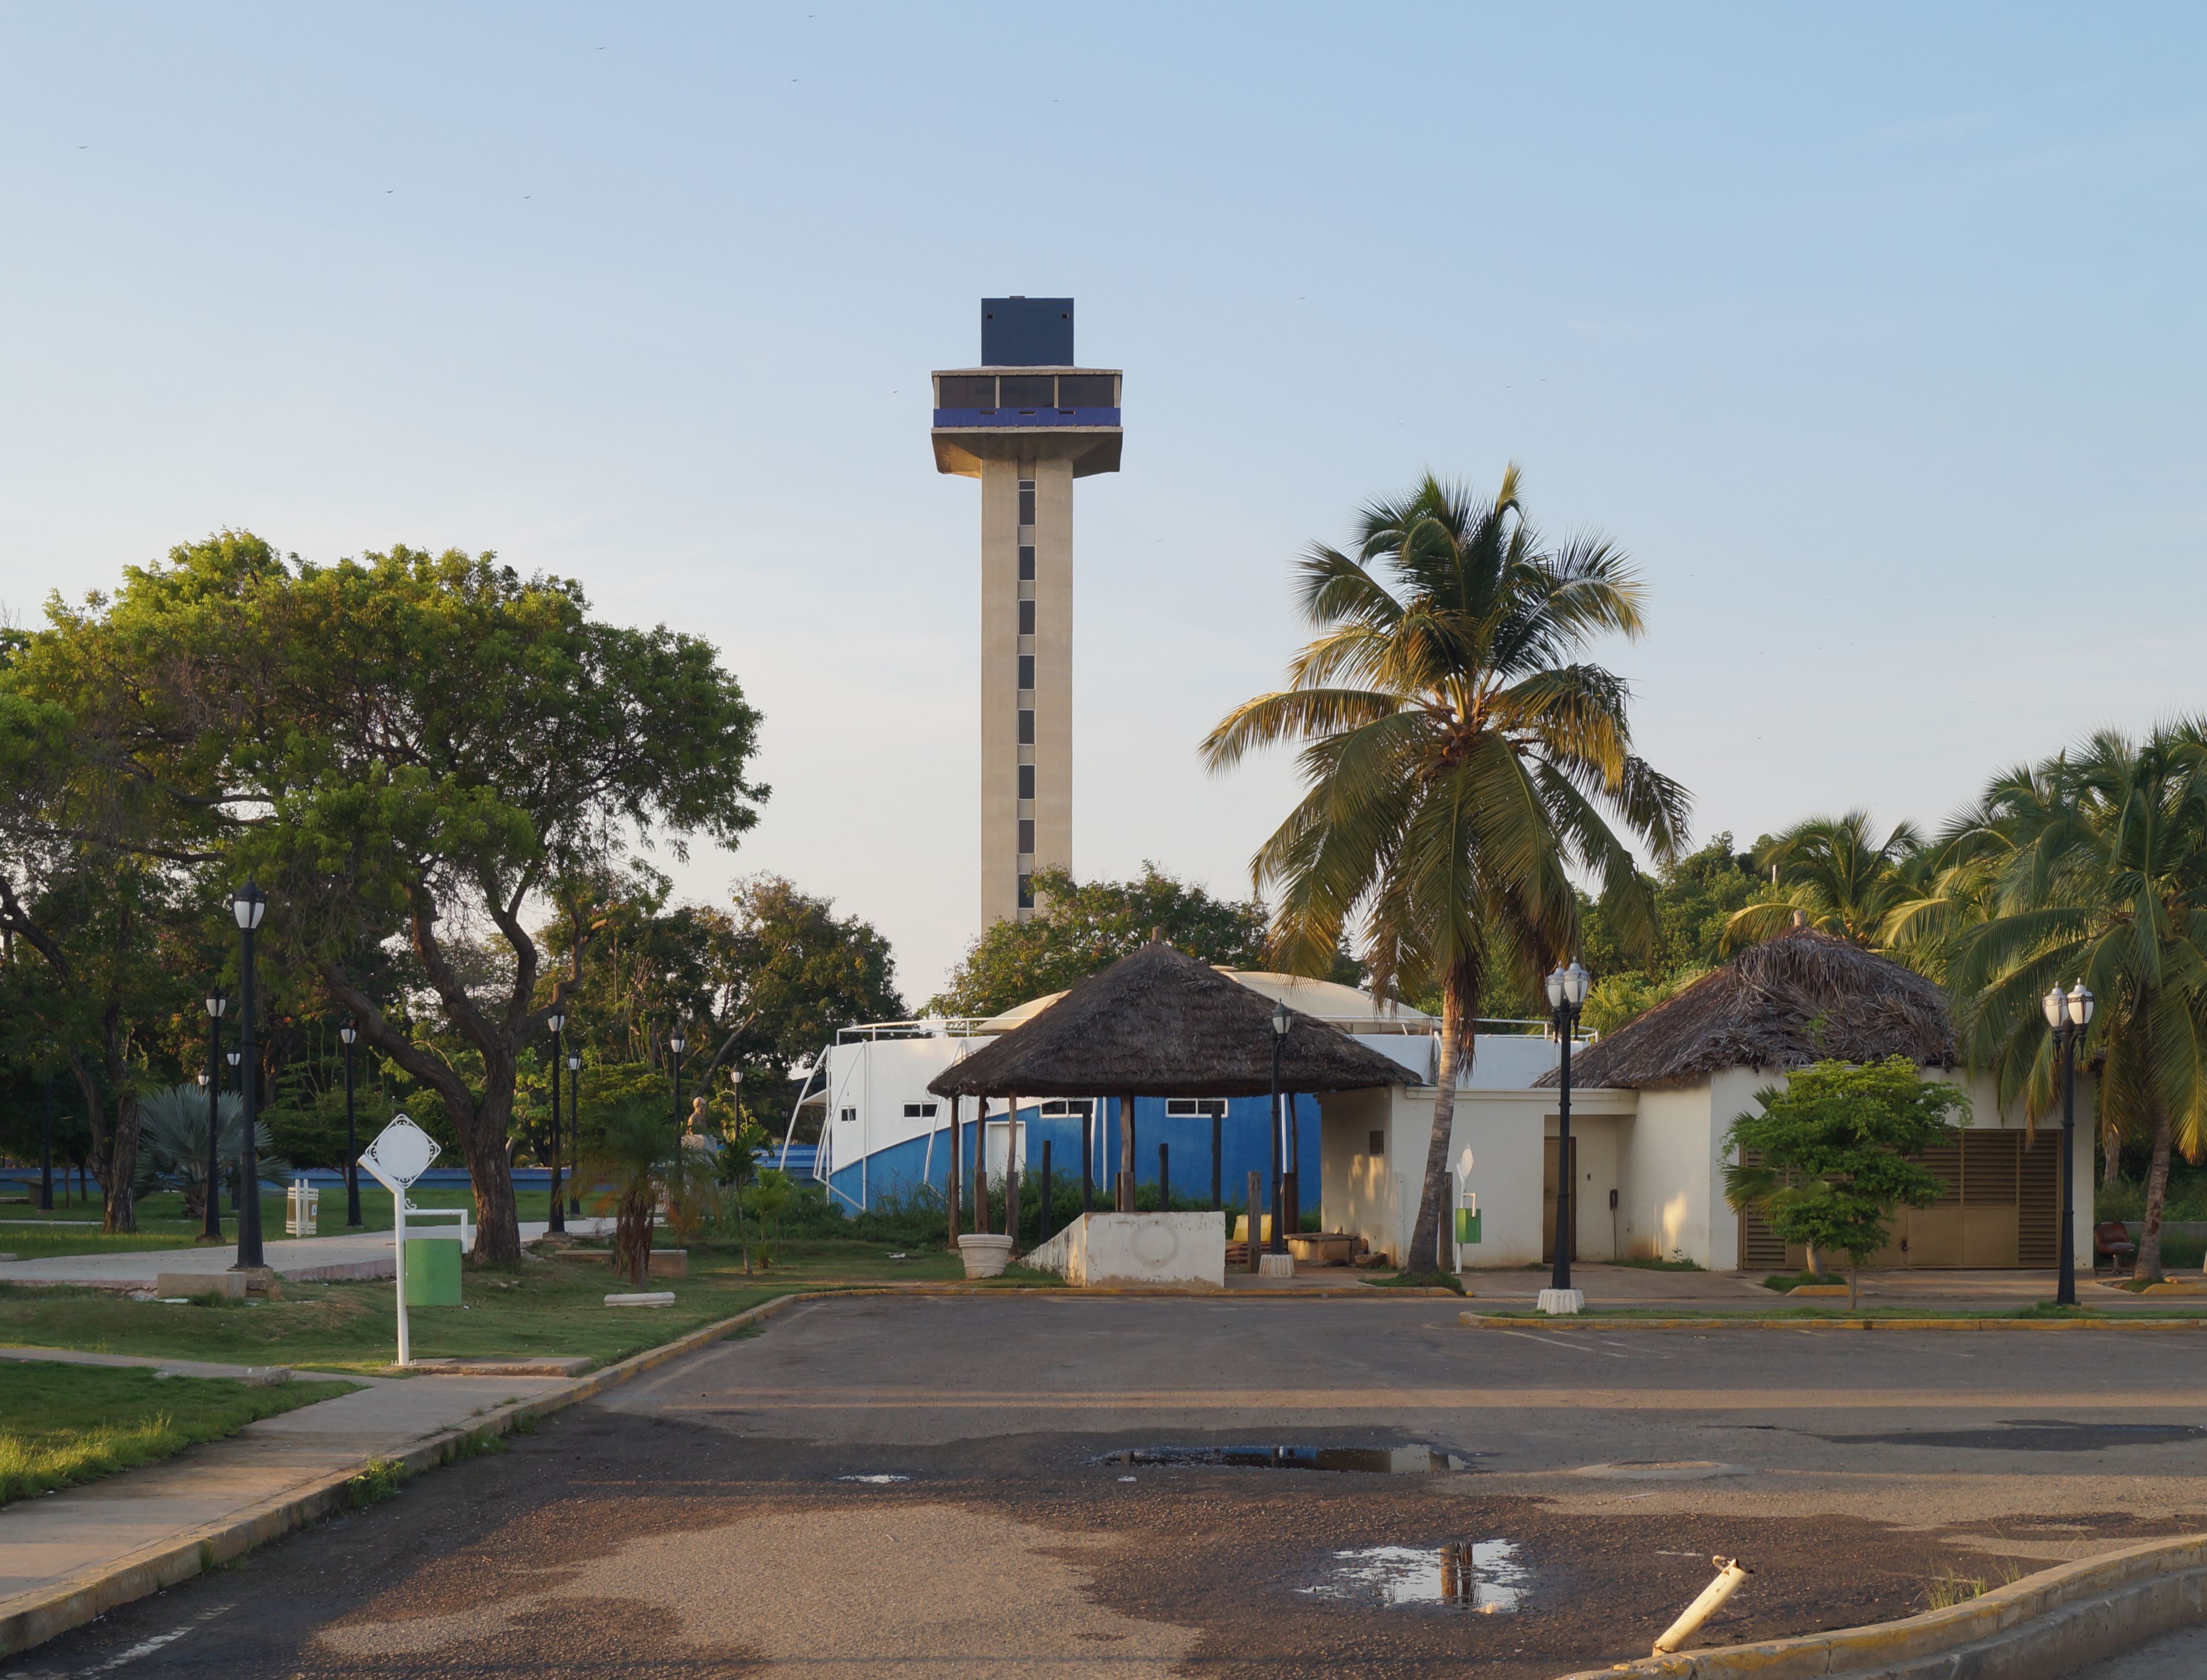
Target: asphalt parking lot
(953,1485)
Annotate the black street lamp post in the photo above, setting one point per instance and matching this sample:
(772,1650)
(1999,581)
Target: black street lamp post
(248,904)
(1281,1021)
(2068,1016)
(574,1124)
(211,1215)
(348,1032)
(677,1042)
(557,1221)
(1567,991)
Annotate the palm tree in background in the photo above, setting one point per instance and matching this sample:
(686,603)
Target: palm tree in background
(1457,762)
(1841,878)
(2105,880)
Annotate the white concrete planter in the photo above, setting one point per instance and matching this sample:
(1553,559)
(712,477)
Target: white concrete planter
(985,1253)
(1138,1251)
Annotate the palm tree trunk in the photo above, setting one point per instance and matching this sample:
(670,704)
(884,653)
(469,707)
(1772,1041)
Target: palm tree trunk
(1459,1004)
(2111,1147)
(2157,1196)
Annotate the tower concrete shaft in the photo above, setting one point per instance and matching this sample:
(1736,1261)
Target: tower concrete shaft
(1026,430)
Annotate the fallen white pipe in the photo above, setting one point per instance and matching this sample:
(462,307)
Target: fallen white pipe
(1730,1573)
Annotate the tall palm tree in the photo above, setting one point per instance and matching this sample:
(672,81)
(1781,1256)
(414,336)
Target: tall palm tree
(1457,762)
(1839,875)
(2106,883)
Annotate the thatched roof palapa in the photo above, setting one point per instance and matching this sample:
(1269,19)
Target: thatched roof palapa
(1804,996)
(1160,1023)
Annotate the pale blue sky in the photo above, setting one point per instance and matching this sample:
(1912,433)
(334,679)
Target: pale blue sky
(1875,336)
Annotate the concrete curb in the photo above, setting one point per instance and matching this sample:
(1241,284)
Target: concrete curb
(1742,1321)
(79,1598)
(2044,1627)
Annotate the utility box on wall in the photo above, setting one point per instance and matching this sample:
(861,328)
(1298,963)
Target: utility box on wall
(433,1271)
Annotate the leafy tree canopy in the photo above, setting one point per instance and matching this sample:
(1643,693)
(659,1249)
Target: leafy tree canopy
(1082,929)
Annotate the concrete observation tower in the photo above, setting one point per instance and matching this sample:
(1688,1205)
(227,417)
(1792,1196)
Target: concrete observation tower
(1026,422)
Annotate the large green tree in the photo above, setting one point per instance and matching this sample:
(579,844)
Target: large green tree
(2101,878)
(1460,761)
(408,745)
(1083,927)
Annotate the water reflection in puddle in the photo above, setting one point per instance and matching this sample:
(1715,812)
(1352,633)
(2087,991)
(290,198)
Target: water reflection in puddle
(1480,1576)
(1415,1460)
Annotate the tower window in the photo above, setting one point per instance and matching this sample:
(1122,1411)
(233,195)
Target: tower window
(965,391)
(1026,892)
(1027,782)
(1027,617)
(1026,494)
(1026,729)
(1026,563)
(1030,390)
(1026,669)
(1026,837)
(1083,391)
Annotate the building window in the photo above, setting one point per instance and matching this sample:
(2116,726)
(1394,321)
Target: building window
(1026,892)
(1026,729)
(1378,1142)
(920,1111)
(1078,1108)
(1030,390)
(1026,563)
(1026,837)
(1027,617)
(1026,670)
(1083,391)
(1027,782)
(848,1115)
(1180,1108)
(965,391)
(1027,497)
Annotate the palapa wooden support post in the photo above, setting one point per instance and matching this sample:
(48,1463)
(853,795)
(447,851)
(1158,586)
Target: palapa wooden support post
(1012,1173)
(1293,1197)
(1042,1214)
(1217,1191)
(1256,1219)
(1126,1197)
(1088,1160)
(950,1185)
(1164,1178)
(981,1167)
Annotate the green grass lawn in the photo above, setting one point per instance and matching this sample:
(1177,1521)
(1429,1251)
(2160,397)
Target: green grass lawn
(31,1234)
(64,1423)
(552,1307)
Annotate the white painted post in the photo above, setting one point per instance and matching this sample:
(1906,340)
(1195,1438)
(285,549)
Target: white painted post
(398,1228)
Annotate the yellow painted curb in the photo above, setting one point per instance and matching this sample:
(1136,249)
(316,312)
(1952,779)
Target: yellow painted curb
(1742,1321)
(2045,1626)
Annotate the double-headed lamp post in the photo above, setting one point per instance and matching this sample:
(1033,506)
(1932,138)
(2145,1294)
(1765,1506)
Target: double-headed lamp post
(348,1032)
(1567,991)
(1281,1022)
(211,1215)
(558,1218)
(676,1042)
(248,904)
(2068,1016)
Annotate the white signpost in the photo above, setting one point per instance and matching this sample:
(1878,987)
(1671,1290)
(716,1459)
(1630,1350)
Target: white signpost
(401,1153)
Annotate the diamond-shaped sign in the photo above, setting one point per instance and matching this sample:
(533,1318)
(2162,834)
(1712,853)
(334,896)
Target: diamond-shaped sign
(401,1153)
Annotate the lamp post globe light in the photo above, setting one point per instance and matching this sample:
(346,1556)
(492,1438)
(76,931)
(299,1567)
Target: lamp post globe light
(210,1215)
(557,1219)
(574,1123)
(2068,1016)
(1567,991)
(248,904)
(348,1032)
(676,1042)
(1281,1021)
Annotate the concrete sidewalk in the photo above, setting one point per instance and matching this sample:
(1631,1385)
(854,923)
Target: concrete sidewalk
(367,1254)
(112,1537)
(1716,1292)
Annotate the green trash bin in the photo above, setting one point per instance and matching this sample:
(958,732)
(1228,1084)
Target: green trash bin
(1467,1225)
(433,1271)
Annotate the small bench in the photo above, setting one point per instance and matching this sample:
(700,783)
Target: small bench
(2113,1240)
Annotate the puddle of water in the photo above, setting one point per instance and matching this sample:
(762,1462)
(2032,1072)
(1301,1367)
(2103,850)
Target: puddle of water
(1415,1460)
(2032,1435)
(1484,1577)
(875,1481)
